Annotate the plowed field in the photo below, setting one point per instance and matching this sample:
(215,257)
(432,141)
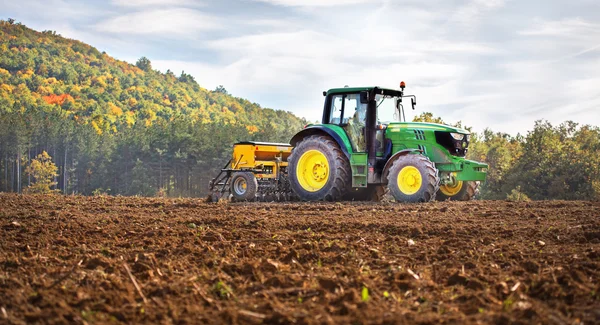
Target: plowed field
(142,260)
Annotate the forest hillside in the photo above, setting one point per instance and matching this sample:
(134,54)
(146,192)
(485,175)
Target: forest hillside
(114,127)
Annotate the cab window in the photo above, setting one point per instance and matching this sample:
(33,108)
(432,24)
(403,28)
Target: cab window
(343,108)
(335,113)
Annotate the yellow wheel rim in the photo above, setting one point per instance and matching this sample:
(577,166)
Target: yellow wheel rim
(409,180)
(312,170)
(451,189)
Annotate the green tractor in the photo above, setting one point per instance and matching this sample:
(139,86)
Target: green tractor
(364,147)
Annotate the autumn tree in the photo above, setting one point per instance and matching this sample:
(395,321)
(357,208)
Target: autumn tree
(43,171)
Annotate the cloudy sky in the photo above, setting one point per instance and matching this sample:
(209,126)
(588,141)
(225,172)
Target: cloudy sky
(497,63)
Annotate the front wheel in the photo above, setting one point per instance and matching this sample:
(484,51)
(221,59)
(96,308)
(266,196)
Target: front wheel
(318,170)
(457,191)
(413,178)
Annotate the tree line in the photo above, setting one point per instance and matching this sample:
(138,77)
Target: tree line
(559,162)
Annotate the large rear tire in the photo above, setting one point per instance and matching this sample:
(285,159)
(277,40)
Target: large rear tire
(413,178)
(318,170)
(244,186)
(459,191)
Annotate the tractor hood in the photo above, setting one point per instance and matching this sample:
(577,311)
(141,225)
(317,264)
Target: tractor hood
(428,126)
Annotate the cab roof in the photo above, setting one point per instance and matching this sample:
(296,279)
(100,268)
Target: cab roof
(346,90)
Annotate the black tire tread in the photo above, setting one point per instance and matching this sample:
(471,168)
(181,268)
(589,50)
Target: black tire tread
(251,189)
(343,174)
(431,178)
(379,193)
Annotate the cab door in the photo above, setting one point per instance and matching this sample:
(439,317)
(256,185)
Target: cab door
(347,111)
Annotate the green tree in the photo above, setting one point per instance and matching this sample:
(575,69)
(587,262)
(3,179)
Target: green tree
(141,184)
(144,64)
(187,78)
(429,118)
(220,89)
(501,152)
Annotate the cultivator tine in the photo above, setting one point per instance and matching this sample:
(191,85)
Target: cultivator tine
(221,179)
(215,181)
(224,188)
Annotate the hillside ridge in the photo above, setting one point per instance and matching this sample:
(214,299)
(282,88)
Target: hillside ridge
(93,87)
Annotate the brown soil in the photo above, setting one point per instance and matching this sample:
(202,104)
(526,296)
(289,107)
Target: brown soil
(79,259)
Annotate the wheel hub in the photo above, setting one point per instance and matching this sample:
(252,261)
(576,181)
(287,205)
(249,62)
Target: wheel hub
(240,186)
(312,170)
(319,171)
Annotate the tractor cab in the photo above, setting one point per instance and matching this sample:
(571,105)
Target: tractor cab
(363,114)
(348,107)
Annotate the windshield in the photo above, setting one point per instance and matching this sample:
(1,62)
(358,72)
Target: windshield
(386,110)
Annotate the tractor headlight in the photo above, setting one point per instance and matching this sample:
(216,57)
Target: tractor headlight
(457,136)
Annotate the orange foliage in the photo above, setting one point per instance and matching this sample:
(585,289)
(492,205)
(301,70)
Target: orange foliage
(57,99)
(7,88)
(252,129)
(115,110)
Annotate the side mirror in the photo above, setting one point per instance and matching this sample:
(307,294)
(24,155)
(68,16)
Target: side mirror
(413,102)
(364,97)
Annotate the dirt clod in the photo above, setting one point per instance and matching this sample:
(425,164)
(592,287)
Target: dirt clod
(457,279)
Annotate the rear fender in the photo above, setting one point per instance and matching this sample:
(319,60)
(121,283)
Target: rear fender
(390,162)
(321,130)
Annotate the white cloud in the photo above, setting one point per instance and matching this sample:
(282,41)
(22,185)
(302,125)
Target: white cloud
(506,86)
(471,13)
(569,27)
(316,3)
(155,3)
(30,12)
(161,22)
